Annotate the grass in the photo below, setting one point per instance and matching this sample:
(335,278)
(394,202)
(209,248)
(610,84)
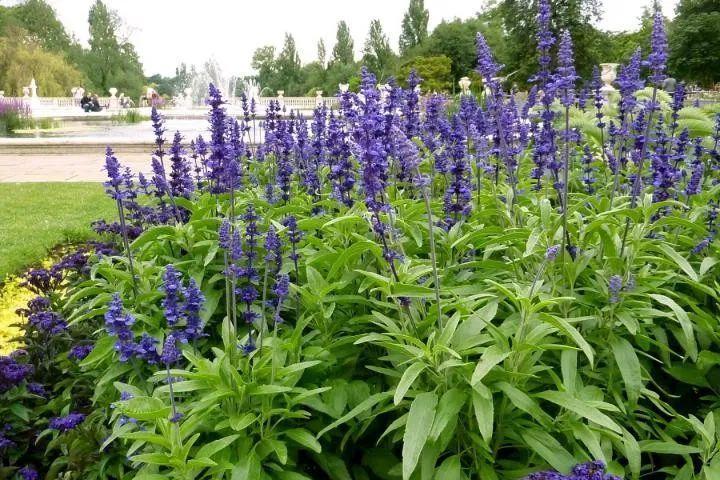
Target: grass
(129,116)
(35,217)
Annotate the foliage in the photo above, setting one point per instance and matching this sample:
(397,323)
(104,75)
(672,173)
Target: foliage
(22,60)
(436,72)
(394,291)
(130,115)
(456,40)
(111,60)
(35,41)
(695,42)
(573,15)
(343,52)
(377,54)
(414,26)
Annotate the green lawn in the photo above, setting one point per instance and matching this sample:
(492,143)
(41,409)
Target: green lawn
(35,217)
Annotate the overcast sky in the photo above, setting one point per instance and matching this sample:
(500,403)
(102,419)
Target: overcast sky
(167,32)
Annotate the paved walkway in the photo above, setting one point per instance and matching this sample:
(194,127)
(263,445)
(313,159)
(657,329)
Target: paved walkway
(65,167)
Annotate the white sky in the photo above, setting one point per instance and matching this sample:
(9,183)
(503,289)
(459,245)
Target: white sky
(167,32)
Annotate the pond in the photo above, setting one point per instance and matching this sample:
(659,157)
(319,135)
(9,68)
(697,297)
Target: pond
(87,130)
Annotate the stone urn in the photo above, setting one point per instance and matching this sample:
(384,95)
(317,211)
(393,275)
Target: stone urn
(318,97)
(464,84)
(344,87)
(114,102)
(608,74)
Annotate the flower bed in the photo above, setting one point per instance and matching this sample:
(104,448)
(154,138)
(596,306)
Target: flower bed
(389,291)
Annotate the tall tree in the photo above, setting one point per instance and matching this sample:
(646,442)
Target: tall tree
(112,62)
(321,53)
(263,61)
(576,16)
(456,40)
(414,26)
(344,50)
(39,20)
(377,53)
(695,41)
(288,65)
(23,58)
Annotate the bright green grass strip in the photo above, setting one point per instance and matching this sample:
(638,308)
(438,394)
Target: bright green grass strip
(35,217)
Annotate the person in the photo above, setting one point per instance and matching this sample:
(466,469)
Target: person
(96,103)
(669,85)
(86,102)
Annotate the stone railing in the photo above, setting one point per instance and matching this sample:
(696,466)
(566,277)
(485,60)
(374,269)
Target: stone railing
(56,102)
(292,103)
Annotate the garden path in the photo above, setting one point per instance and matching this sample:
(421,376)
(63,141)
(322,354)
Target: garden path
(65,167)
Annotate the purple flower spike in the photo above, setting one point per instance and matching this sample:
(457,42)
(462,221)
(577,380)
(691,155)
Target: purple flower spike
(67,423)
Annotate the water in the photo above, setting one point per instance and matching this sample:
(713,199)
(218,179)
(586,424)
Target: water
(84,130)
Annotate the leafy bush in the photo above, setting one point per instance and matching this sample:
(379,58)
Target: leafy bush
(392,292)
(14,115)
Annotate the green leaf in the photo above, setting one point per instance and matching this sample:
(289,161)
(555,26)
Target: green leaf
(683,319)
(565,400)
(210,449)
(522,401)
(549,449)
(451,469)
(144,408)
(103,348)
(417,430)
(490,357)
(668,448)
(270,389)
(367,404)
(149,437)
(450,404)
(239,424)
(632,453)
(570,331)
(411,291)
(629,366)
(484,414)
(152,458)
(680,261)
(304,438)
(406,381)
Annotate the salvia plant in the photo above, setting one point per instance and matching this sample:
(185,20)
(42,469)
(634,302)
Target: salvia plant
(411,287)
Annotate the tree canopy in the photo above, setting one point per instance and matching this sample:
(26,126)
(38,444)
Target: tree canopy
(35,43)
(695,41)
(414,26)
(377,54)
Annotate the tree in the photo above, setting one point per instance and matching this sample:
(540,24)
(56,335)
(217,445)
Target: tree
(414,26)
(344,49)
(576,16)
(288,67)
(456,41)
(436,73)
(263,61)
(39,20)
(321,54)
(695,42)
(111,62)
(377,54)
(22,59)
